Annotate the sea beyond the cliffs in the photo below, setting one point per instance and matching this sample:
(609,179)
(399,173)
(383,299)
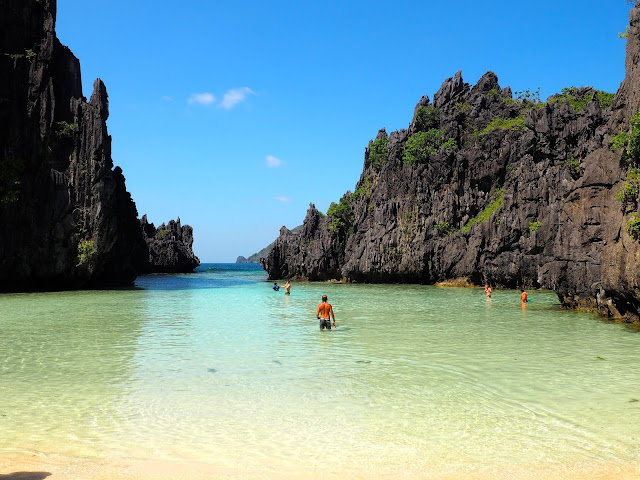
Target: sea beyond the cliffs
(217,368)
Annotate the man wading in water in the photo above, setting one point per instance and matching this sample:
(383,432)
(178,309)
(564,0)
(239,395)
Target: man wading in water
(324,313)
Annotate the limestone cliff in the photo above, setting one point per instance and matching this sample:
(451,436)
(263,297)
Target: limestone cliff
(170,247)
(68,220)
(493,187)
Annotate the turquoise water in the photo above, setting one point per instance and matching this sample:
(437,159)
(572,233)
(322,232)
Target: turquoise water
(216,367)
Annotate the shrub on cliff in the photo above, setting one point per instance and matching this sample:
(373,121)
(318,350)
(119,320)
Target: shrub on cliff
(65,129)
(427,118)
(495,205)
(421,145)
(341,216)
(633,227)
(634,138)
(443,228)
(377,153)
(163,234)
(87,253)
(579,98)
(516,124)
(629,140)
(630,187)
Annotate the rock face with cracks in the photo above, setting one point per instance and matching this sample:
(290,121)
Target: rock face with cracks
(170,247)
(68,220)
(491,187)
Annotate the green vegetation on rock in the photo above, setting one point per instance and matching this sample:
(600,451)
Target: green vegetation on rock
(463,107)
(621,140)
(162,234)
(443,229)
(516,124)
(634,138)
(341,216)
(576,99)
(633,226)
(421,145)
(427,118)
(626,32)
(378,152)
(65,129)
(630,187)
(580,99)
(534,226)
(629,141)
(573,165)
(528,96)
(605,98)
(364,190)
(495,205)
(87,253)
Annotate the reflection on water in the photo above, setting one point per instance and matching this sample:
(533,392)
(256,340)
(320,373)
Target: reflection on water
(216,366)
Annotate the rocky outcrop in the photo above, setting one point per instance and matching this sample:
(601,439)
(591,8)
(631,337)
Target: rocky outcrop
(255,258)
(68,220)
(170,247)
(493,188)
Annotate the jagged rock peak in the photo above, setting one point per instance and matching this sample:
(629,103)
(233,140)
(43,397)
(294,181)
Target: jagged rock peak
(508,191)
(488,82)
(450,88)
(82,228)
(170,247)
(424,101)
(100,99)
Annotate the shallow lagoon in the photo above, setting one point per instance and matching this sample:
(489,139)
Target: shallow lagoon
(217,368)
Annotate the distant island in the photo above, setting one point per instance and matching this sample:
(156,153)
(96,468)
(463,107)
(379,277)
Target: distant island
(492,186)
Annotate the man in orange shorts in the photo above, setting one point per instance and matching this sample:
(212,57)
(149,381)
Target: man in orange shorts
(324,313)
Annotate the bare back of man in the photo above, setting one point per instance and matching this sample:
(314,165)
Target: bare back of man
(325,314)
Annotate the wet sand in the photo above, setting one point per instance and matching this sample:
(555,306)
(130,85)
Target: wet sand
(43,467)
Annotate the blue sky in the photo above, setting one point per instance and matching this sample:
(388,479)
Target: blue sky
(235,115)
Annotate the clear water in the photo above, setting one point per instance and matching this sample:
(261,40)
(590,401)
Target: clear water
(216,367)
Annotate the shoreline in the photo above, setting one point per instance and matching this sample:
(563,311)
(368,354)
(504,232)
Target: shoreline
(23,466)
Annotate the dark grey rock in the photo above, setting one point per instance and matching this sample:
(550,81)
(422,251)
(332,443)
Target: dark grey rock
(559,226)
(170,247)
(68,220)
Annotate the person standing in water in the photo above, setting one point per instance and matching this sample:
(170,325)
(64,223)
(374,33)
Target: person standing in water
(487,290)
(523,296)
(287,288)
(325,313)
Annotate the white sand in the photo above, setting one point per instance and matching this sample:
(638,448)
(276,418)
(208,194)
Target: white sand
(42,467)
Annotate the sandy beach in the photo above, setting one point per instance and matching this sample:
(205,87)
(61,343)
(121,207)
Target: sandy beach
(41,467)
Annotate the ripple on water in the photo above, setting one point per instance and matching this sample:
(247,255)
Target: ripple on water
(414,378)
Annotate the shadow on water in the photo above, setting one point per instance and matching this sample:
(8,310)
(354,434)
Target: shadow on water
(25,476)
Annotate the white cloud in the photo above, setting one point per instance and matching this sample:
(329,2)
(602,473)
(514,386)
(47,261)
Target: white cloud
(235,96)
(166,98)
(201,99)
(273,162)
(282,198)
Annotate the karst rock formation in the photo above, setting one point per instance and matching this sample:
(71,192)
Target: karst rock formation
(493,186)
